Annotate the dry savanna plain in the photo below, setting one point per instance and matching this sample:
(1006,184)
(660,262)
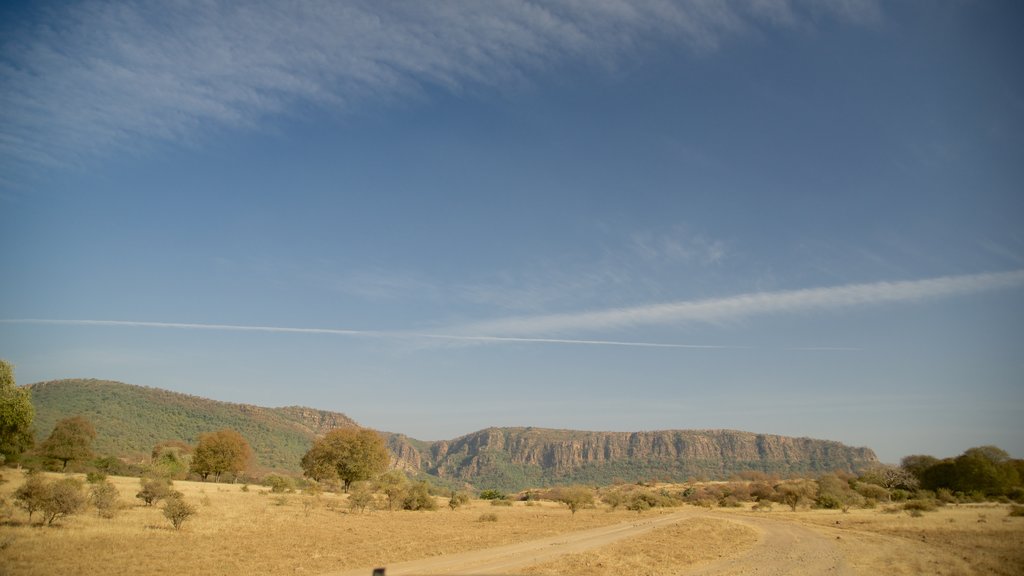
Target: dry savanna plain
(254,531)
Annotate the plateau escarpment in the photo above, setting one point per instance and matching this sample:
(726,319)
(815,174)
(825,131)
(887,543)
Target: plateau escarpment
(511,458)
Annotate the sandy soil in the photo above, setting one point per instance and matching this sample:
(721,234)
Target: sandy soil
(867,543)
(505,559)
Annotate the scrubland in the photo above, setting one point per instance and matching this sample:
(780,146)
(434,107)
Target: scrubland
(252,531)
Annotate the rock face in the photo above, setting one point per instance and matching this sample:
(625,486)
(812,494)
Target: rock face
(514,458)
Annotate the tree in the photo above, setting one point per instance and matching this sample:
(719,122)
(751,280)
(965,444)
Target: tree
(220,452)
(171,459)
(348,454)
(31,495)
(16,415)
(71,439)
(916,464)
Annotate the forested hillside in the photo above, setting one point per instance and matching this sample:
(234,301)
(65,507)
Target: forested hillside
(130,420)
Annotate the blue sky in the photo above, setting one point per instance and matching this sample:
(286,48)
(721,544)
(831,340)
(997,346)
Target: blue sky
(801,218)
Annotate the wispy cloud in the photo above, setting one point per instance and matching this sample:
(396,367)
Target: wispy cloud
(537,329)
(83,79)
(716,310)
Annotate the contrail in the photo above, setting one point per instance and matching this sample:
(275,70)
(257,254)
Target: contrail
(368,333)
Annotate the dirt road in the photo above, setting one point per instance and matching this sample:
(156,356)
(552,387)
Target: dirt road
(783,548)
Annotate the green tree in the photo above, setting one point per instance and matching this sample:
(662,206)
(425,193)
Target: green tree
(348,454)
(71,439)
(220,452)
(916,464)
(16,415)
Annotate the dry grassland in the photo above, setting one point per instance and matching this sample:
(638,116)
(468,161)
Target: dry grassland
(953,540)
(665,551)
(238,532)
(252,532)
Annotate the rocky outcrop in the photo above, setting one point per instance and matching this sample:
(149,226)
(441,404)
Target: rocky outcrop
(512,458)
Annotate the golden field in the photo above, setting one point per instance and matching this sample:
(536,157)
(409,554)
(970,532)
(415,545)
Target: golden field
(250,532)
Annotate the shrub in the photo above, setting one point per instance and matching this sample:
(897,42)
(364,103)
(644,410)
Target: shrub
(501,502)
(763,506)
(177,511)
(488,517)
(729,502)
(95,477)
(458,499)
(360,497)
(575,497)
(920,505)
(31,495)
(153,490)
(491,495)
(872,491)
(64,499)
(278,484)
(1016,511)
(419,498)
(103,496)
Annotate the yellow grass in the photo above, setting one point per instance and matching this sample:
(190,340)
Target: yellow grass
(238,532)
(254,532)
(665,551)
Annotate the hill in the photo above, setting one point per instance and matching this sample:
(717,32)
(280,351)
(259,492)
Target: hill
(131,419)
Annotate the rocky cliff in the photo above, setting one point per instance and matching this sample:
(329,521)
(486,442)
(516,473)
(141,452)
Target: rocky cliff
(514,458)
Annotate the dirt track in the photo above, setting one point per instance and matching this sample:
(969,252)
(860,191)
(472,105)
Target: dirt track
(783,548)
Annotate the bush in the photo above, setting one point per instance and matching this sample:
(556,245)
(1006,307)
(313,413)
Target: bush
(488,517)
(153,490)
(64,499)
(1016,511)
(458,499)
(575,497)
(501,502)
(177,511)
(95,477)
(919,505)
(360,496)
(278,484)
(492,495)
(31,495)
(729,502)
(419,498)
(103,496)
(763,506)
